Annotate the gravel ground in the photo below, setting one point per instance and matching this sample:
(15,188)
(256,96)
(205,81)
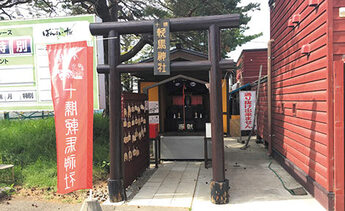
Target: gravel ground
(42,199)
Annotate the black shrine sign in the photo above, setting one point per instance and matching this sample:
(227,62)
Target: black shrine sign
(161,32)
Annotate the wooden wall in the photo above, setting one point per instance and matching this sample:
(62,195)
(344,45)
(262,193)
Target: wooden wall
(338,31)
(338,27)
(249,64)
(301,91)
(262,112)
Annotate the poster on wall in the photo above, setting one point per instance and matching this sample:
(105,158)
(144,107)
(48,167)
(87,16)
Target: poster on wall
(154,119)
(24,72)
(153,107)
(247,109)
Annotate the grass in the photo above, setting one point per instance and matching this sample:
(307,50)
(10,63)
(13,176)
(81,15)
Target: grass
(30,145)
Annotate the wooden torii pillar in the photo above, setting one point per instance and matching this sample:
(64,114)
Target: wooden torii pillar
(219,184)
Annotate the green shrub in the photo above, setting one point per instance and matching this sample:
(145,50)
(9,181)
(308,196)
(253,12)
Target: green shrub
(41,174)
(25,141)
(31,146)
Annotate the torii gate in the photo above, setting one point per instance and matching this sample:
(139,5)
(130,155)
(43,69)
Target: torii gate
(219,184)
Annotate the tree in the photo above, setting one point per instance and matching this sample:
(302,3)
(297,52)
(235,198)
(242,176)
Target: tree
(147,9)
(198,40)
(130,10)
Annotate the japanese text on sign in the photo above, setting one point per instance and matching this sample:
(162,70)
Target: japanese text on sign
(161,47)
(71,75)
(247,109)
(20,45)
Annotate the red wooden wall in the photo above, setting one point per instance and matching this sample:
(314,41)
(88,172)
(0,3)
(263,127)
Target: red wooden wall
(249,64)
(338,40)
(339,177)
(303,88)
(300,88)
(262,112)
(338,31)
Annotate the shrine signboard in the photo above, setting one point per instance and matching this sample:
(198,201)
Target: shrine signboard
(161,32)
(247,109)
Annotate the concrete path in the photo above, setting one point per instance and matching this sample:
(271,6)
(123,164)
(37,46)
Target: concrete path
(253,186)
(184,185)
(172,185)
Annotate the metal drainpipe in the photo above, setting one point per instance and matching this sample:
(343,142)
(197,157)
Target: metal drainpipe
(269,95)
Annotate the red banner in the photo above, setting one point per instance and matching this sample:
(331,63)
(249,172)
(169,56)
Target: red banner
(71,70)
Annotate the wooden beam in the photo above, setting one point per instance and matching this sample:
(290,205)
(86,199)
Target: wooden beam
(171,79)
(176,24)
(115,182)
(175,66)
(219,185)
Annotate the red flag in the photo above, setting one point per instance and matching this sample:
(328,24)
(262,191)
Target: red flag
(71,71)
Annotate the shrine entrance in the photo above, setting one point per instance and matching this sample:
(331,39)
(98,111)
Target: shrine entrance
(213,66)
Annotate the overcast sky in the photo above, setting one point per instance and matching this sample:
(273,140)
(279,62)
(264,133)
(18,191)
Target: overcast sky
(259,23)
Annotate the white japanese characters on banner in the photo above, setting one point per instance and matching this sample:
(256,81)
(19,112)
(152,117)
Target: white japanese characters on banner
(71,66)
(247,109)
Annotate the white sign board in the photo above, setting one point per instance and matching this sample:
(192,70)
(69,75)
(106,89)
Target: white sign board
(24,68)
(208,130)
(154,119)
(247,109)
(153,107)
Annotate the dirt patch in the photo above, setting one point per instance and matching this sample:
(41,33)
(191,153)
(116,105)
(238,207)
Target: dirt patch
(100,192)
(48,194)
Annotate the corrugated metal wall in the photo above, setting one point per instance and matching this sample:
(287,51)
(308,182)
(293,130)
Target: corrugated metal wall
(299,87)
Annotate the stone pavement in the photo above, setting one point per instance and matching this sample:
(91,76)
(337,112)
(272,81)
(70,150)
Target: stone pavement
(185,185)
(253,186)
(172,185)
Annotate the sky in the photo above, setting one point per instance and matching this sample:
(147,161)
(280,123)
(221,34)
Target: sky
(259,23)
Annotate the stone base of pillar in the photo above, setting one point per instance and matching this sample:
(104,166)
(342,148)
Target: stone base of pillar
(220,192)
(91,205)
(116,191)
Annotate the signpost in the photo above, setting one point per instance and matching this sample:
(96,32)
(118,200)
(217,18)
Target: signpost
(161,32)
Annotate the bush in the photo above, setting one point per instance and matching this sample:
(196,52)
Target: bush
(31,146)
(40,174)
(25,141)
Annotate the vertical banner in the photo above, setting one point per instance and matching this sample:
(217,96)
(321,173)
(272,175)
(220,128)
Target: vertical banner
(247,109)
(161,45)
(71,71)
